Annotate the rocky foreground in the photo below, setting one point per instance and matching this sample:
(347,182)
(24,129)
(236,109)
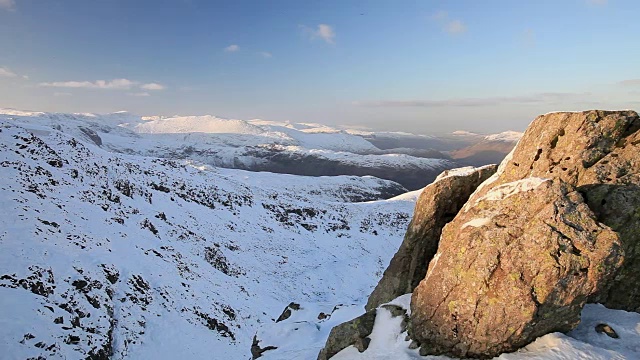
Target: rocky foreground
(519,255)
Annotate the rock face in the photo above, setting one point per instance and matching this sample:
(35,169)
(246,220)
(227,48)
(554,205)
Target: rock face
(520,263)
(618,206)
(599,153)
(557,225)
(438,203)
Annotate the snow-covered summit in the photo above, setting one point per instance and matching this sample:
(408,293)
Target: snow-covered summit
(507,136)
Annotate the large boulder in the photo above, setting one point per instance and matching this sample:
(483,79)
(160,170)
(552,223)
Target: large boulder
(599,153)
(518,263)
(438,204)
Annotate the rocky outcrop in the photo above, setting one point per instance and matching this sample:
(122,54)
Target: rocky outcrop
(354,332)
(438,203)
(598,152)
(557,225)
(520,263)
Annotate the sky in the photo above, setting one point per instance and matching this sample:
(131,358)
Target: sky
(424,66)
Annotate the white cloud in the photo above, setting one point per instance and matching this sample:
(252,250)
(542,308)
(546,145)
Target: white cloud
(326,33)
(266,54)
(232,48)
(8,5)
(116,84)
(153,86)
(140,94)
(62,94)
(323,31)
(447,24)
(455,27)
(5,72)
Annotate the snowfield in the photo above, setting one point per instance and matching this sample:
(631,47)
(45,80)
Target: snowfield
(145,257)
(507,136)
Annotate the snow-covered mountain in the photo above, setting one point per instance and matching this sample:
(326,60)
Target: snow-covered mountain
(506,136)
(256,145)
(107,255)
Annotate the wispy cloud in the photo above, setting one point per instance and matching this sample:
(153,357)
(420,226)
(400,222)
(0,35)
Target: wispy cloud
(630,82)
(140,94)
(322,31)
(447,24)
(8,5)
(266,55)
(116,84)
(489,101)
(232,48)
(5,72)
(153,86)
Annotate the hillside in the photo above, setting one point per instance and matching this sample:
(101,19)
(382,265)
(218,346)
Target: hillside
(489,149)
(133,257)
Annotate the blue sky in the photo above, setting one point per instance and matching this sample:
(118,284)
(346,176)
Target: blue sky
(425,66)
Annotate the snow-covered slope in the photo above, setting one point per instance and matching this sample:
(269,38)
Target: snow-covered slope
(145,258)
(257,145)
(302,336)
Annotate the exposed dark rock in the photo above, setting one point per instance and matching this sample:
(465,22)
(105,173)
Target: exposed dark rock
(286,313)
(256,350)
(79,284)
(608,330)
(438,203)
(275,159)
(216,325)
(91,135)
(347,334)
(362,344)
(72,339)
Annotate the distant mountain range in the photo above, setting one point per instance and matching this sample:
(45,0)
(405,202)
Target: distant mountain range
(410,160)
